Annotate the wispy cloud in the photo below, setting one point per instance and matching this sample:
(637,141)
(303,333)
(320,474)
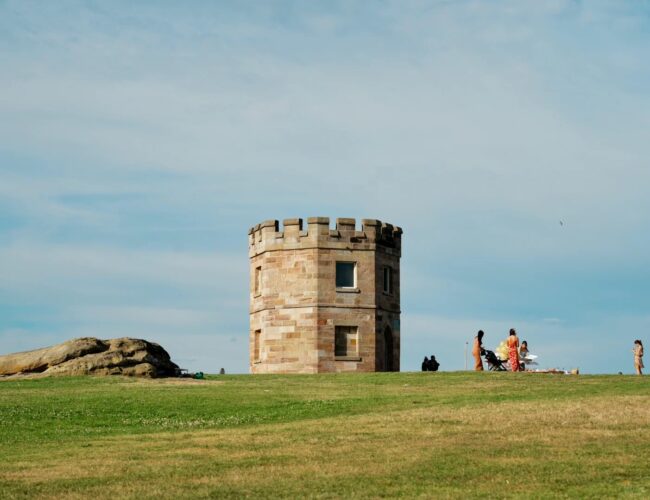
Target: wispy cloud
(54,267)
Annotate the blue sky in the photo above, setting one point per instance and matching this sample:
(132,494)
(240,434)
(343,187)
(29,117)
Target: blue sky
(140,140)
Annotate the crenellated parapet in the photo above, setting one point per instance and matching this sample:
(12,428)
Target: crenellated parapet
(373,234)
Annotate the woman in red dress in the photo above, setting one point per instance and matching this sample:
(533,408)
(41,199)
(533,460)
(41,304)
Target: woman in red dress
(477,349)
(513,350)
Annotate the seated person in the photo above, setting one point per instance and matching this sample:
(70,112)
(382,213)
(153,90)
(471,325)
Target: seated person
(523,350)
(523,355)
(433,364)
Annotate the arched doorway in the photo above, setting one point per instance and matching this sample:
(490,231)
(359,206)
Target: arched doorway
(388,350)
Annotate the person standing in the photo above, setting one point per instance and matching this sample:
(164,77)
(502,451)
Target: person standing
(477,350)
(513,350)
(638,357)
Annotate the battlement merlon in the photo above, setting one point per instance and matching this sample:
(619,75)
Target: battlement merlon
(267,235)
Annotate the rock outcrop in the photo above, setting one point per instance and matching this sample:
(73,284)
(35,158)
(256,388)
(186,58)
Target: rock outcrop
(91,356)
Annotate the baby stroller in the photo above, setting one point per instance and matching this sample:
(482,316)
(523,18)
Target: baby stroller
(494,363)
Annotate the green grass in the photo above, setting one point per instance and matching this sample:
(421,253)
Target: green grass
(362,435)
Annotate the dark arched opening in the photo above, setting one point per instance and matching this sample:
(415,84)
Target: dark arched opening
(388,350)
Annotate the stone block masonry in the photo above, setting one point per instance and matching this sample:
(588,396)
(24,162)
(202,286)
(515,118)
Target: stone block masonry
(322,299)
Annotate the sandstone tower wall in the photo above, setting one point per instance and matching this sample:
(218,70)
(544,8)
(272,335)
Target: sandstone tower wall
(300,320)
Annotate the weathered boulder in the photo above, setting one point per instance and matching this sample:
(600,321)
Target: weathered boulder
(91,356)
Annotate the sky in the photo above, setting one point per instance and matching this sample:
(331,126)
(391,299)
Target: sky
(510,140)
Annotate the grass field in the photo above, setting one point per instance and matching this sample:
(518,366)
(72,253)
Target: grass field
(362,435)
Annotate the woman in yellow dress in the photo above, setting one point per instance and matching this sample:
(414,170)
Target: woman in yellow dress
(513,350)
(477,350)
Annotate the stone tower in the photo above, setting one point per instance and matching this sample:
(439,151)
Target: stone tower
(324,300)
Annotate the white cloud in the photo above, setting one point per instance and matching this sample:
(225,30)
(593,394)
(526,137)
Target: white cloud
(60,272)
(138,316)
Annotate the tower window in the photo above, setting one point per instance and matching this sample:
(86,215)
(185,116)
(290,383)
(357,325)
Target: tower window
(346,341)
(346,275)
(257,346)
(388,280)
(258,280)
